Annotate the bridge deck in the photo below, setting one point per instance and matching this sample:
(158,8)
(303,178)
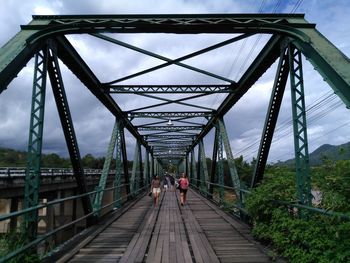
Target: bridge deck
(196,232)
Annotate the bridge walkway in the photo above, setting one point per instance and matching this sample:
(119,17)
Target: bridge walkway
(196,232)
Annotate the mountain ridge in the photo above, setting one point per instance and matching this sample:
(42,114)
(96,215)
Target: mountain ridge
(325,151)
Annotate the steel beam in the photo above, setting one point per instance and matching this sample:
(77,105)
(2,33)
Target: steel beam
(141,181)
(169,61)
(204,175)
(125,160)
(214,161)
(32,178)
(147,169)
(169,136)
(299,127)
(169,128)
(137,89)
(271,117)
(134,181)
(169,114)
(262,62)
(177,101)
(230,160)
(193,165)
(118,166)
(221,175)
(67,126)
(105,171)
(76,64)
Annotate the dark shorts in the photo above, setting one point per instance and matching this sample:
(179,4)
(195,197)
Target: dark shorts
(183,190)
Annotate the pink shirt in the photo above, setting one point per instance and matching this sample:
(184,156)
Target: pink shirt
(183,182)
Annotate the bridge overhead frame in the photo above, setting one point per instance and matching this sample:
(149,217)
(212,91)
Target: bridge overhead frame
(291,34)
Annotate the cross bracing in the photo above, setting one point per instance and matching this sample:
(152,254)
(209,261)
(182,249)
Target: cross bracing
(169,128)
(165,115)
(170,88)
(185,113)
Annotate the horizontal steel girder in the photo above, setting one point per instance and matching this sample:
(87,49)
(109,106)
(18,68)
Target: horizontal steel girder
(170,88)
(169,143)
(169,128)
(167,154)
(179,24)
(169,114)
(169,137)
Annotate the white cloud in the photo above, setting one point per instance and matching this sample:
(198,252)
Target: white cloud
(94,124)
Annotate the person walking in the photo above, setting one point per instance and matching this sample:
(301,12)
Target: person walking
(183,186)
(155,189)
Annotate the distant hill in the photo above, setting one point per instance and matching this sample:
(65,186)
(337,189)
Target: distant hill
(332,152)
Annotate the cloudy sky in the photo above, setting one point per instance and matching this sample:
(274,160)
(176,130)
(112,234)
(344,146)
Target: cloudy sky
(328,119)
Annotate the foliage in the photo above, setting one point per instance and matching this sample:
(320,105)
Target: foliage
(312,238)
(9,242)
(13,158)
(333,180)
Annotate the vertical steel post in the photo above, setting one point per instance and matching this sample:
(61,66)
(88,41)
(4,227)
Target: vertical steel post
(221,176)
(125,161)
(135,168)
(105,171)
(204,168)
(186,165)
(141,182)
(152,167)
(299,127)
(193,167)
(214,162)
(118,167)
(230,160)
(199,170)
(146,171)
(32,179)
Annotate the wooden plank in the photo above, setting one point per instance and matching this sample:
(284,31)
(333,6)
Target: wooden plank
(225,235)
(97,230)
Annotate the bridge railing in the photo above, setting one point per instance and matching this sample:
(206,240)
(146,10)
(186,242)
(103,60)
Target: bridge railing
(21,171)
(44,237)
(236,208)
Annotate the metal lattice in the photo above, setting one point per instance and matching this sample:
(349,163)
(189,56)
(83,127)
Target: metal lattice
(31,192)
(299,127)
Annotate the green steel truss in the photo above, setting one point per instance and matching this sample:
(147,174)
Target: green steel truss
(271,116)
(171,89)
(230,160)
(105,171)
(167,115)
(213,172)
(220,170)
(146,172)
(299,126)
(193,167)
(67,125)
(118,166)
(170,128)
(179,132)
(32,179)
(203,171)
(137,173)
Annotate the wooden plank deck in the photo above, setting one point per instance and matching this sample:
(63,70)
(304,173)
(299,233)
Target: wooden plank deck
(197,232)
